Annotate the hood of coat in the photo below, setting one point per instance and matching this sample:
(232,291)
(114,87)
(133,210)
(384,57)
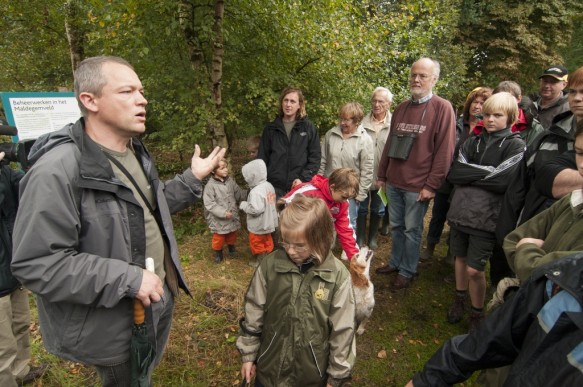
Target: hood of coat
(51,140)
(321,183)
(255,172)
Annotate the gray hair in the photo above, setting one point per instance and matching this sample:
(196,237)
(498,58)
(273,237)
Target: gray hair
(89,78)
(387,93)
(436,66)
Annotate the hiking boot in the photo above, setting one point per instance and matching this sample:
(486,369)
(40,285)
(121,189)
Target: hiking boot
(387,269)
(401,282)
(385,229)
(373,229)
(218,256)
(33,374)
(232,250)
(475,320)
(427,252)
(457,310)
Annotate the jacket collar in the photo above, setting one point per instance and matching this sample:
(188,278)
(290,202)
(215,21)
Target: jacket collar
(325,271)
(357,133)
(93,163)
(567,273)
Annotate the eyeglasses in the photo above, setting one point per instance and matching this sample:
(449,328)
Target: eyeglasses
(297,248)
(422,77)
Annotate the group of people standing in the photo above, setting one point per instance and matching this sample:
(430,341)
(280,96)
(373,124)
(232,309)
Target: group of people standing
(92,208)
(488,164)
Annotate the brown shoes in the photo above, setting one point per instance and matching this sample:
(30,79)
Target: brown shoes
(400,282)
(387,269)
(476,319)
(33,374)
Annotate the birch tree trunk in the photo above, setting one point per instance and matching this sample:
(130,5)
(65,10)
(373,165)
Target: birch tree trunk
(218,125)
(75,32)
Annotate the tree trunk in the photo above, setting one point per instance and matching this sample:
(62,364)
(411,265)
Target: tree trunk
(191,15)
(75,32)
(218,126)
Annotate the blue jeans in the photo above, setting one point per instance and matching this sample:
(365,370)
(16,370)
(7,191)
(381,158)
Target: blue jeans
(118,375)
(406,217)
(376,204)
(353,212)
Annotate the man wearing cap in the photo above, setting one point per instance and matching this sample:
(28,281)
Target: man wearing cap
(552,101)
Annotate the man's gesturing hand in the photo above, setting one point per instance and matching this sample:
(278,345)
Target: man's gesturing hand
(202,167)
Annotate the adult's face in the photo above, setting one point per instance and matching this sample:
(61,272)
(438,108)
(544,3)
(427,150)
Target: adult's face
(422,78)
(550,88)
(121,105)
(576,101)
(290,106)
(380,104)
(476,105)
(347,125)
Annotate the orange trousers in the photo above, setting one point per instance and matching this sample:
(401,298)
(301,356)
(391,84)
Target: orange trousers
(219,240)
(260,243)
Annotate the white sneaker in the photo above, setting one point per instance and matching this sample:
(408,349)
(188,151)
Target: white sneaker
(344,257)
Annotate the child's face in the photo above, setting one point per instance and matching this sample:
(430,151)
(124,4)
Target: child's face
(252,152)
(340,195)
(222,171)
(296,247)
(494,121)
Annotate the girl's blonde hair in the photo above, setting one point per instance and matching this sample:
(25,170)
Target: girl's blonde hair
(310,217)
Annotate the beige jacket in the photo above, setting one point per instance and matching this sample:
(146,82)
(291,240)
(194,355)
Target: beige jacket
(379,139)
(356,152)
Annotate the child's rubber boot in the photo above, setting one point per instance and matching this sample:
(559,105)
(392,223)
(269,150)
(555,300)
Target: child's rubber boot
(218,256)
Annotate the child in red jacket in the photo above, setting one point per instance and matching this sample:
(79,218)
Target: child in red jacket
(335,191)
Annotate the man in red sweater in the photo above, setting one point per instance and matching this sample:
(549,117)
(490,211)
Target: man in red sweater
(414,164)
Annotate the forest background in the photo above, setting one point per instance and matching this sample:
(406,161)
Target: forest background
(213,71)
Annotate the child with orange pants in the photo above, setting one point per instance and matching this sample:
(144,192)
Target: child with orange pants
(220,198)
(260,209)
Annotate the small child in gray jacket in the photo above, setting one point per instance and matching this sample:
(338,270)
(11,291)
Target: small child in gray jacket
(260,209)
(220,198)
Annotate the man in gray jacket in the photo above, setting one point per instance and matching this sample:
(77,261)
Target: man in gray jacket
(92,209)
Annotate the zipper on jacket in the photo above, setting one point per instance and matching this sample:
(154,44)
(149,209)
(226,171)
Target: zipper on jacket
(269,346)
(315,360)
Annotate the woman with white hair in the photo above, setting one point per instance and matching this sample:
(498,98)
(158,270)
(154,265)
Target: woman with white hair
(377,124)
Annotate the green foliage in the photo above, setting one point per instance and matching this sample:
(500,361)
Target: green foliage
(336,51)
(33,49)
(515,39)
(573,53)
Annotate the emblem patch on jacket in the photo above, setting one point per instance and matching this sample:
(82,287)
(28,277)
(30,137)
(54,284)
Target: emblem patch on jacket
(322,293)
